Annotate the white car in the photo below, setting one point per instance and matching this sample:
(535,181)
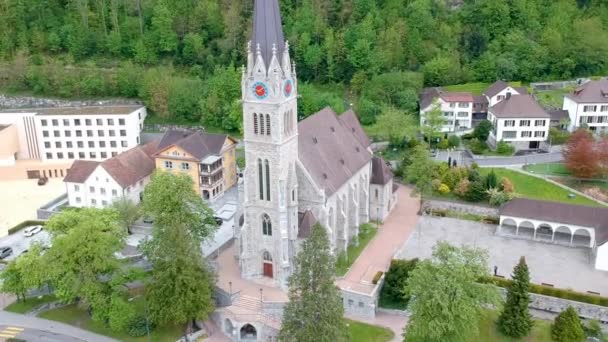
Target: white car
(31,231)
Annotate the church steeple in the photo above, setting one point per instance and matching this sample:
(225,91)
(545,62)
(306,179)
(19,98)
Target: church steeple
(267,30)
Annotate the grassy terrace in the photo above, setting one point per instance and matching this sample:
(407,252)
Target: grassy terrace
(361,332)
(78,317)
(345,260)
(549,169)
(532,187)
(541,331)
(29,304)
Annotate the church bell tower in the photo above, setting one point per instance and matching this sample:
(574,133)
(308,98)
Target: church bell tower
(270,131)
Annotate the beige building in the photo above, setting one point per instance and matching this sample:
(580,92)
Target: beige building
(209,159)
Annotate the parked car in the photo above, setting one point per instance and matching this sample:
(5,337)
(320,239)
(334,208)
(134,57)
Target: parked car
(31,231)
(148,219)
(218,220)
(42,180)
(5,252)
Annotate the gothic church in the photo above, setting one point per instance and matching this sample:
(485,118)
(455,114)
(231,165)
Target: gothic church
(320,169)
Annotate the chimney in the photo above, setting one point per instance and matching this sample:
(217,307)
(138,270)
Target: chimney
(508,95)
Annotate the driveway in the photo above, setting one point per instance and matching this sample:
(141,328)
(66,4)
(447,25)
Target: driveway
(391,235)
(564,267)
(20,243)
(535,158)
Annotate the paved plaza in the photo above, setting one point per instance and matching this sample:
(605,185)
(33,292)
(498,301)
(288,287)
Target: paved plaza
(564,267)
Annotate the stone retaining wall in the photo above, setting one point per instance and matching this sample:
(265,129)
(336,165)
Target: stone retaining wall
(461,207)
(8,102)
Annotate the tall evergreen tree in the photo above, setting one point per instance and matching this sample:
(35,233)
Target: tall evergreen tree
(515,319)
(314,311)
(567,327)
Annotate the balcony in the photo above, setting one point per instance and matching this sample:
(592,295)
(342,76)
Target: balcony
(210,166)
(212,181)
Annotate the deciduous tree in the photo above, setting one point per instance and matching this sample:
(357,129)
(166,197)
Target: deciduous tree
(581,155)
(447,299)
(128,212)
(314,311)
(515,319)
(420,171)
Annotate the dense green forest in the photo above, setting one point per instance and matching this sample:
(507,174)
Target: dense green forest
(183,57)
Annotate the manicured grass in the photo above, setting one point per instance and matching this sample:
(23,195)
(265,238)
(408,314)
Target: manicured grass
(541,331)
(551,169)
(362,332)
(345,260)
(78,317)
(29,304)
(476,88)
(552,98)
(535,188)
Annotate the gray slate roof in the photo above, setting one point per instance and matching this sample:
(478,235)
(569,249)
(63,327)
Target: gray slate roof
(498,86)
(197,143)
(558,114)
(381,173)
(591,92)
(518,106)
(267,29)
(580,215)
(329,150)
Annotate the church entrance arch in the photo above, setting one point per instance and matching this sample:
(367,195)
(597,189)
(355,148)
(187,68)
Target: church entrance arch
(267,264)
(248,333)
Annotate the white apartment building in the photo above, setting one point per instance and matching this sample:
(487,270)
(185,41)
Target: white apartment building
(499,91)
(97,184)
(457,108)
(520,121)
(70,133)
(588,105)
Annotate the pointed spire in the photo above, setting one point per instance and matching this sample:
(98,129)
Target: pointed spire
(267,28)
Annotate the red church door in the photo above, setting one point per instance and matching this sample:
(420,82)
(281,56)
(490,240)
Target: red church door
(268,269)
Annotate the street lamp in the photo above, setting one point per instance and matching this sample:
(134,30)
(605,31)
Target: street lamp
(146,313)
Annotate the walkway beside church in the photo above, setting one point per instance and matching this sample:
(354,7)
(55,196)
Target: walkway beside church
(391,237)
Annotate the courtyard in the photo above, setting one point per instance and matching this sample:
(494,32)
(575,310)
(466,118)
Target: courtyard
(561,266)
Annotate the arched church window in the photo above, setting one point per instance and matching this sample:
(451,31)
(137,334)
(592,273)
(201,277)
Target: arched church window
(267,179)
(267,124)
(261,179)
(255,123)
(267,256)
(266,225)
(262,124)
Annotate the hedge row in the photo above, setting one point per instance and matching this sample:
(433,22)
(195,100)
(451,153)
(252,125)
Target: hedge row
(553,292)
(24,224)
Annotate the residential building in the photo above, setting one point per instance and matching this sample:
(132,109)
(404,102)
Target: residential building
(209,159)
(70,133)
(456,108)
(500,90)
(520,121)
(9,145)
(97,184)
(587,106)
(559,223)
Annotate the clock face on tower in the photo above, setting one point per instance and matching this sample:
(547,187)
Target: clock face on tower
(260,90)
(288,88)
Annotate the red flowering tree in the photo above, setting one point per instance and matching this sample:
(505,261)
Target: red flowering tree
(581,155)
(602,151)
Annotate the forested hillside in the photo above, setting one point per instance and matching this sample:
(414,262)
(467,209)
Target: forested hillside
(183,56)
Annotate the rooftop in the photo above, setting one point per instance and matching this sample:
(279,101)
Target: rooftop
(85,110)
(196,143)
(591,92)
(267,29)
(518,106)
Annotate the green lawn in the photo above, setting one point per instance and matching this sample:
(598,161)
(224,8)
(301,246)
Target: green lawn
(541,331)
(75,316)
(345,260)
(361,332)
(29,304)
(551,169)
(476,88)
(552,98)
(532,187)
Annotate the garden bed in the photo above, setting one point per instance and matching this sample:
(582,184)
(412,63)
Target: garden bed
(345,260)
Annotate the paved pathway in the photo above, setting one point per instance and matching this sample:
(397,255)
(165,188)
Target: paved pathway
(462,158)
(392,234)
(59,331)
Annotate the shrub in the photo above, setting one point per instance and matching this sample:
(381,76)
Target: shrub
(474,176)
(443,144)
(454,176)
(139,327)
(476,192)
(567,327)
(443,189)
(557,136)
(454,141)
(498,198)
(482,131)
(394,282)
(506,185)
(477,146)
(491,180)
(377,277)
(474,166)
(436,183)
(467,136)
(462,188)
(504,148)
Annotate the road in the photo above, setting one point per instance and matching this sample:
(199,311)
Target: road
(463,159)
(19,243)
(37,329)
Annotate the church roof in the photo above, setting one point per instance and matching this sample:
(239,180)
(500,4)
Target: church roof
(305,222)
(350,120)
(329,149)
(267,29)
(381,173)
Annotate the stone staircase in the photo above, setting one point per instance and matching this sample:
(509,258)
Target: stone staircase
(249,303)
(248,308)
